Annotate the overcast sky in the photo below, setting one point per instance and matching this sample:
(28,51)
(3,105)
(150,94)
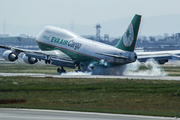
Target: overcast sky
(82,12)
(35,12)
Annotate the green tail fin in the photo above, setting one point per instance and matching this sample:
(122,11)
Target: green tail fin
(128,40)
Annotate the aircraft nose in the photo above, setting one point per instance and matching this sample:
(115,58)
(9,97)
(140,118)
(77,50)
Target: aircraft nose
(39,36)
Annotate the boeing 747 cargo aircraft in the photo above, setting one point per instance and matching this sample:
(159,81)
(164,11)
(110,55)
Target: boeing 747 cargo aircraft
(64,48)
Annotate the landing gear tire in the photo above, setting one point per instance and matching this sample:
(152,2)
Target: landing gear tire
(47,61)
(79,69)
(62,70)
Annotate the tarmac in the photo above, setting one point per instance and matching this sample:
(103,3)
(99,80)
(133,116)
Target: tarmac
(94,76)
(36,114)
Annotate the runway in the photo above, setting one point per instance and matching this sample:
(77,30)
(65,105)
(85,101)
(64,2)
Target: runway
(94,76)
(36,114)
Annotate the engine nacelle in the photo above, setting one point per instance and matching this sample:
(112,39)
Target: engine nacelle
(162,62)
(29,60)
(9,55)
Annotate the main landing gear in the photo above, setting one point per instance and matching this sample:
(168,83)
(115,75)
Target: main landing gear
(47,61)
(79,69)
(62,70)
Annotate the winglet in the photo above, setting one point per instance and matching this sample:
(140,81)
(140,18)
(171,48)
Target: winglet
(128,40)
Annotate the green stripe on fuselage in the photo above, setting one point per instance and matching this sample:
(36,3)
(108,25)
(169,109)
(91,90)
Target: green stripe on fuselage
(76,56)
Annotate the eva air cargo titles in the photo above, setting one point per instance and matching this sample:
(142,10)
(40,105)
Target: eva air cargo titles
(64,48)
(70,43)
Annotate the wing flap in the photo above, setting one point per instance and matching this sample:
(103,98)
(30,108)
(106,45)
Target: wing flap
(56,57)
(63,63)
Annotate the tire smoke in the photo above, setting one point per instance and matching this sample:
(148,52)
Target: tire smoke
(77,73)
(153,69)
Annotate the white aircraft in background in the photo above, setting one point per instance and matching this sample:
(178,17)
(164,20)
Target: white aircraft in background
(64,48)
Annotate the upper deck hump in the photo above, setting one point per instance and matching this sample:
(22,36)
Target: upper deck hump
(61,32)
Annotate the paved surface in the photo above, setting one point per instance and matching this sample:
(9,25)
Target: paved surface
(35,114)
(93,76)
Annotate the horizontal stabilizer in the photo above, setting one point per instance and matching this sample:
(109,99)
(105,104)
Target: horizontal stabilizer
(115,56)
(156,56)
(176,57)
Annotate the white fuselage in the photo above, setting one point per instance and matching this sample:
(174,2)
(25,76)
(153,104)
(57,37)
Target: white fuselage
(77,47)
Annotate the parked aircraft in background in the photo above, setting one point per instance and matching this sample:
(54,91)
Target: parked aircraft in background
(66,49)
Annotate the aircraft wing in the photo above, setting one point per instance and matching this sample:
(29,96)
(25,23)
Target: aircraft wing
(54,57)
(5,47)
(161,57)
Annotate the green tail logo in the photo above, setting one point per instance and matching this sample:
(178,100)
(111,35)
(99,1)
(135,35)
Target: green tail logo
(128,40)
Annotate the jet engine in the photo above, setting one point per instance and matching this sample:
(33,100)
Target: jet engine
(162,62)
(29,60)
(9,55)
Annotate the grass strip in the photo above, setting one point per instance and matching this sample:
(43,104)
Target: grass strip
(141,97)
